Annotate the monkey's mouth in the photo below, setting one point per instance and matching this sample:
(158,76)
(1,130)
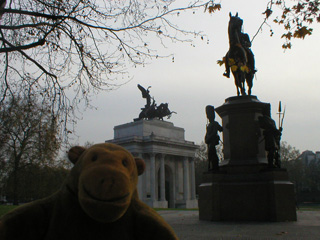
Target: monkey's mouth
(110,200)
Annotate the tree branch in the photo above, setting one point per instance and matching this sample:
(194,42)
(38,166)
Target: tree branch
(19,48)
(26,26)
(36,63)
(34,14)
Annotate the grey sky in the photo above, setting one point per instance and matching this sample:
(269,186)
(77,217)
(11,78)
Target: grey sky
(195,80)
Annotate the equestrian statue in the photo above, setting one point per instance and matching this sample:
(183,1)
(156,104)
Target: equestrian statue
(239,58)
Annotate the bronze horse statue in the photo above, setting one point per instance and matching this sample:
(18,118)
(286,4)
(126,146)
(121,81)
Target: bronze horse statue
(239,58)
(151,110)
(155,111)
(163,111)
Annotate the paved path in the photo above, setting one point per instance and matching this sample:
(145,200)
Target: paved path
(188,226)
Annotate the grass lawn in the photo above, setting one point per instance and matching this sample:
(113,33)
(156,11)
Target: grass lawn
(6,208)
(309,208)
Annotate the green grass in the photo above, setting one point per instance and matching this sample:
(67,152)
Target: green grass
(6,208)
(309,208)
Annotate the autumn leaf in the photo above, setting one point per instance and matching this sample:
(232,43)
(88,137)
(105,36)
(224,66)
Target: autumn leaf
(268,12)
(212,8)
(310,20)
(286,46)
(287,26)
(302,32)
(271,33)
(286,10)
(217,7)
(287,35)
(298,7)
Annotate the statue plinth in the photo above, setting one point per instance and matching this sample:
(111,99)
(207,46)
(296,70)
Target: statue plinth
(243,141)
(245,189)
(263,196)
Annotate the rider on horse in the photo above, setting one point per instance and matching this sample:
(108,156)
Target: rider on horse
(239,57)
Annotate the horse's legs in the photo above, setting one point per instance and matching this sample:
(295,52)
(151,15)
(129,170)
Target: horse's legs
(249,90)
(249,84)
(243,88)
(236,82)
(241,83)
(249,80)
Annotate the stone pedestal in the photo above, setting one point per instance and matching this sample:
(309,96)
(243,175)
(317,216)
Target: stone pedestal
(245,189)
(263,196)
(242,137)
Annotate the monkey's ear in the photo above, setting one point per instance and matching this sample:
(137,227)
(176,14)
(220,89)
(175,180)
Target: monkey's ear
(74,153)
(141,165)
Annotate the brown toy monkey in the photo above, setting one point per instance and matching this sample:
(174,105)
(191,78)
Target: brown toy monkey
(99,200)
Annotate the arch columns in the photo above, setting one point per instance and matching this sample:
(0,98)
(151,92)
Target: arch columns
(189,189)
(159,202)
(193,180)
(162,179)
(185,178)
(162,202)
(153,177)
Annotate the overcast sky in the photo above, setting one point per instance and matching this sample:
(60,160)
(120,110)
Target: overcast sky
(195,80)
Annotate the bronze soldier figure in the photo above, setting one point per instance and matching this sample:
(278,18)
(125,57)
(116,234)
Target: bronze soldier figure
(272,136)
(212,139)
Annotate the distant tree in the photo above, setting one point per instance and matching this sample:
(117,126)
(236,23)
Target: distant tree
(200,164)
(36,182)
(288,153)
(295,17)
(56,46)
(288,156)
(201,161)
(31,137)
(312,173)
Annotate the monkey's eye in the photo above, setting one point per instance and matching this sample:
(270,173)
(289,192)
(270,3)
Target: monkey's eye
(125,162)
(94,158)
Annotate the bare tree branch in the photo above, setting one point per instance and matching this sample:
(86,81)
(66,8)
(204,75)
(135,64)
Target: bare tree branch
(19,48)
(82,45)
